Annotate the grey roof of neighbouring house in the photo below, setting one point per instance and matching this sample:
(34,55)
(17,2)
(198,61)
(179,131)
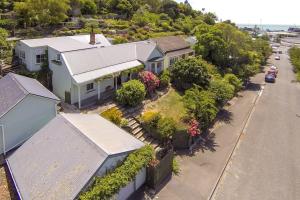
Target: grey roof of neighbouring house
(60,159)
(14,88)
(171,43)
(68,43)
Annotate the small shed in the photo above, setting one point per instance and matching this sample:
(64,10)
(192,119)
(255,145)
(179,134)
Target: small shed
(25,107)
(60,160)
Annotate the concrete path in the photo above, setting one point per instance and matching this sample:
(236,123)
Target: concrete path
(201,172)
(266,164)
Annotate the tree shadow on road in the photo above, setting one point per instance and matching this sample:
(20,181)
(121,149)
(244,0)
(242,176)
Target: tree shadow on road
(224,116)
(206,143)
(253,87)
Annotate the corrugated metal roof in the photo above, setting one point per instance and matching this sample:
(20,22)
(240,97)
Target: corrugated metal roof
(171,43)
(67,43)
(14,88)
(89,64)
(92,75)
(60,159)
(110,138)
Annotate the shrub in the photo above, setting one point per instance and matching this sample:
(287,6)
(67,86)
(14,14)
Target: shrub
(106,187)
(150,81)
(189,71)
(193,129)
(113,114)
(223,91)
(175,167)
(131,93)
(234,81)
(202,105)
(166,128)
(150,120)
(164,79)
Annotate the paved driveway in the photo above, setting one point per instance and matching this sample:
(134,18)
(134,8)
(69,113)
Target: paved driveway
(266,165)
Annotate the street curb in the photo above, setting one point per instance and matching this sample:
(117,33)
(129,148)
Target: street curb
(245,124)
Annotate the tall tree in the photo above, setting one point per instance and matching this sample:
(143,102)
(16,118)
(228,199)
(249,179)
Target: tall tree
(42,12)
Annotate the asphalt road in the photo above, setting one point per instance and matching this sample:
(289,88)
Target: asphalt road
(266,163)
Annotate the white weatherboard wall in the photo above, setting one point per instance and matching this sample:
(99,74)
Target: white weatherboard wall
(30,55)
(61,78)
(133,186)
(110,164)
(26,118)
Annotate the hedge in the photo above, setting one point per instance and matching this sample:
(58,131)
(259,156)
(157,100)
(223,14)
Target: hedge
(113,114)
(109,185)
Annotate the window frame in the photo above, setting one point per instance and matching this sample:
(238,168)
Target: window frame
(90,87)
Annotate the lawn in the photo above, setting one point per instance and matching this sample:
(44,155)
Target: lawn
(170,105)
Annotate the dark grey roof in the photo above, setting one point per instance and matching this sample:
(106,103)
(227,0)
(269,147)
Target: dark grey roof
(14,88)
(171,43)
(60,159)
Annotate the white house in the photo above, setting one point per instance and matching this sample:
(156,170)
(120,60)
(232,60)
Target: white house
(32,52)
(25,107)
(91,74)
(60,160)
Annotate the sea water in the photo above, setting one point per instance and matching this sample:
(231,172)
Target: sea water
(271,27)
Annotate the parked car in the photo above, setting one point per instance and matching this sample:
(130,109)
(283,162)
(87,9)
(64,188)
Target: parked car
(277,57)
(273,72)
(274,68)
(270,78)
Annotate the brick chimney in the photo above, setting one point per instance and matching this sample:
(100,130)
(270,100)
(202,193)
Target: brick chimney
(92,37)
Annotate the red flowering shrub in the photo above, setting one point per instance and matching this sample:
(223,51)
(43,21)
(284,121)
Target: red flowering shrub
(193,128)
(150,81)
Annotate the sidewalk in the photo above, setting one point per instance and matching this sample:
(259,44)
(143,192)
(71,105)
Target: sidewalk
(200,172)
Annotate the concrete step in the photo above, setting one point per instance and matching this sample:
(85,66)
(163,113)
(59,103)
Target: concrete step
(139,134)
(135,125)
(135,131)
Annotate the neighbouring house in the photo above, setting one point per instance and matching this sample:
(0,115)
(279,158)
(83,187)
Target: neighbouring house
(25,107)
(61,159)
(88,75)
(173,48)
(34,52)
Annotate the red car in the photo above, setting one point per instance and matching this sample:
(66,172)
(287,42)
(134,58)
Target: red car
(273,72)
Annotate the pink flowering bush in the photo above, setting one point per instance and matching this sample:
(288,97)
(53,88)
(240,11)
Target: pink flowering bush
(193,128)
(150,81)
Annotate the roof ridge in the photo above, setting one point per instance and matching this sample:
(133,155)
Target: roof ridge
(81,134)
(12,75)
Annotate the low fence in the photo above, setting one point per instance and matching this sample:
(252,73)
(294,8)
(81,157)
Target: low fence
(158,173)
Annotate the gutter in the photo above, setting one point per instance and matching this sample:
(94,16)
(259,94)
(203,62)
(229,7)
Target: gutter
(15,183)
(3,138)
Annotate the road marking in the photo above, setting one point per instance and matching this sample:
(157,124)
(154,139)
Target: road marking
(212,195)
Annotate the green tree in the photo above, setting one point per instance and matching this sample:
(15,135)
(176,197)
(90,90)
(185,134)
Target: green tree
(4,45)
(189,71)
(223,91)
(201,105)
(170,7)
(89,7)
(131,93)
(234,81)
(42,12)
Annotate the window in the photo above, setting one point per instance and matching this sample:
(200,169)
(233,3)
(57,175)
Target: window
(22,54)
(159,67)
(173,60)
(89,87)
(152,67)
(40,58)
(58,57)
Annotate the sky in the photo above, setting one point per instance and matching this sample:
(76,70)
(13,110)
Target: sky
(252,11)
